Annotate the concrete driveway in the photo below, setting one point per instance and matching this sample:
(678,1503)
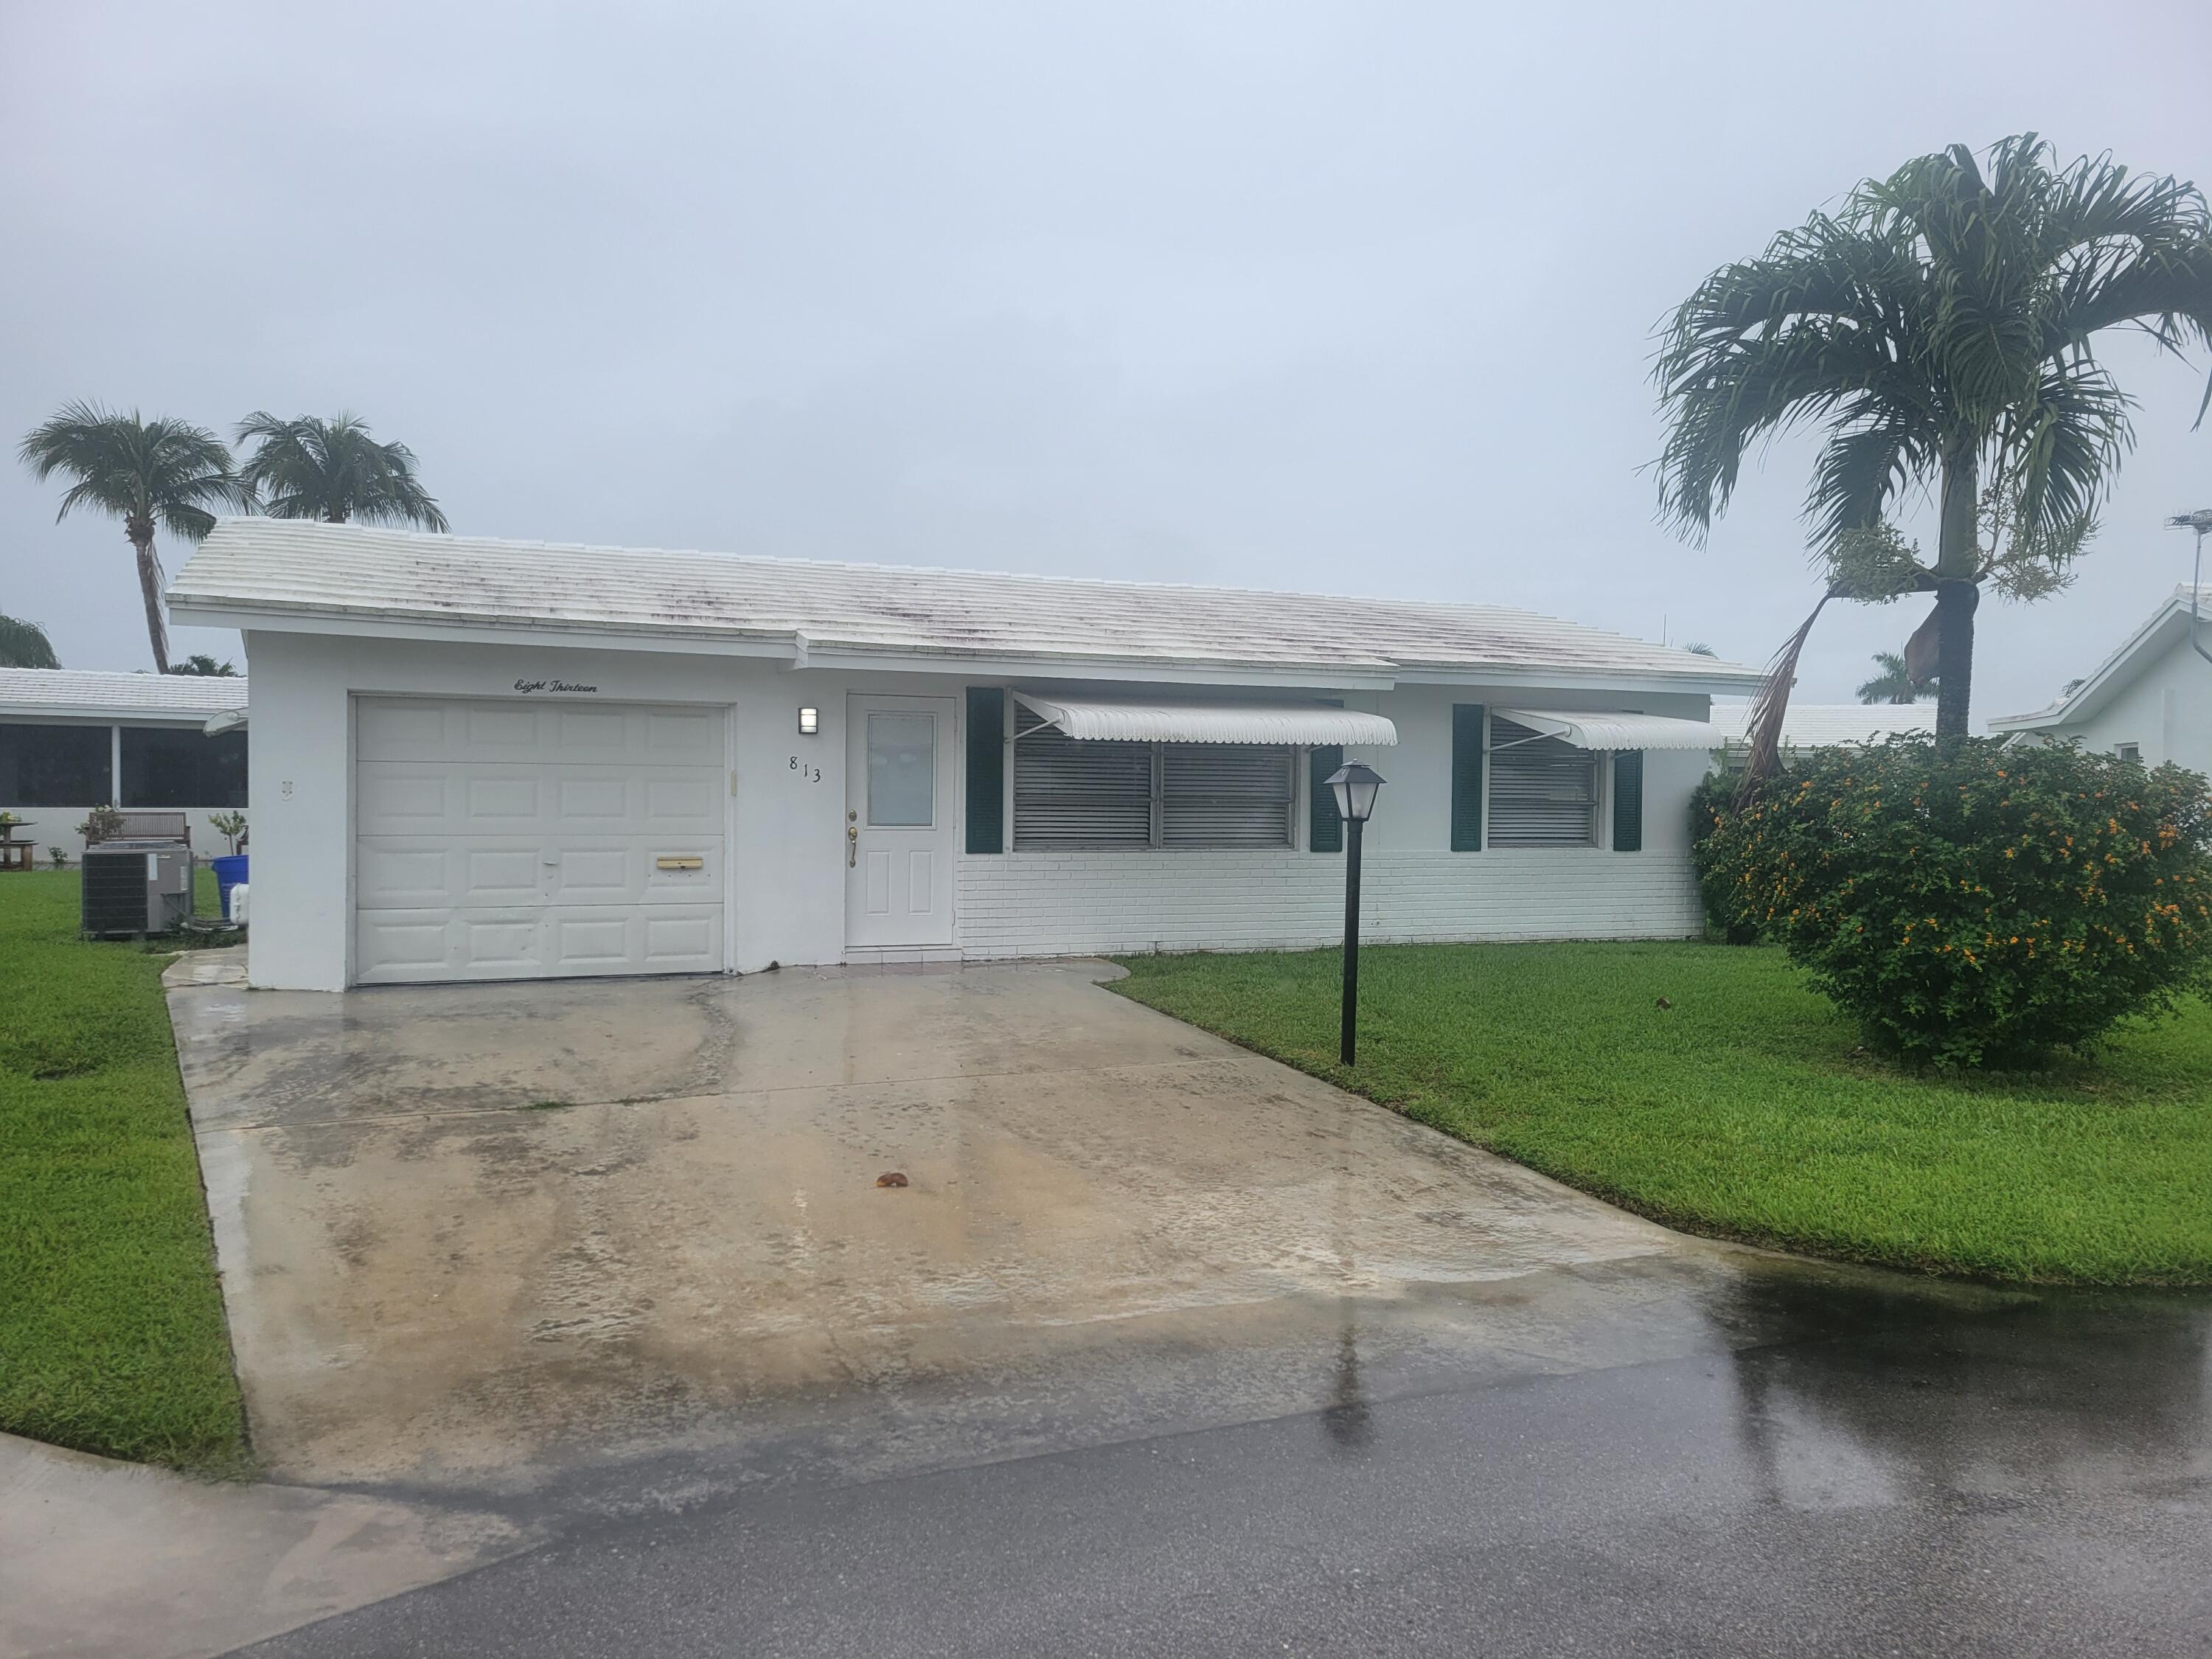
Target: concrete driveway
(482,1237)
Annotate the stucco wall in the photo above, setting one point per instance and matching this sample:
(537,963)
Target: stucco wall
(2166,708)
(1115,903)
(786,882)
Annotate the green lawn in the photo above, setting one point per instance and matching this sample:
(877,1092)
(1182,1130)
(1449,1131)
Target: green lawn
(1747,1108)
(111,1336)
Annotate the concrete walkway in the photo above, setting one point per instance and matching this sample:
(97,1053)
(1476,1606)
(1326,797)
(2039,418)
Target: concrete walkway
(118,1560)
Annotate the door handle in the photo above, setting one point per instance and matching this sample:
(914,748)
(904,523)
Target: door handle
(852,846)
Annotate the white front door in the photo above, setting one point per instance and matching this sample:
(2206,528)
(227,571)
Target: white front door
(899,822)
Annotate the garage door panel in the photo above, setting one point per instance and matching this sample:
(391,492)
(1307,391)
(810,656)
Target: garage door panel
(459,798)
(678,939)
(629,872)
(425,729)
(494,800)
(500,731)
(680,737)
(594,800)
(678,801)
(507,840)
(682,940)
(595,734)
(407,944)
(396,800)
(415,872)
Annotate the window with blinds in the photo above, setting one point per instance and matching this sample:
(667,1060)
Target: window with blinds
(1174,795)
(1542,792)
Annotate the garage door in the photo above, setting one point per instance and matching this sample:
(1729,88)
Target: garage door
(514,840)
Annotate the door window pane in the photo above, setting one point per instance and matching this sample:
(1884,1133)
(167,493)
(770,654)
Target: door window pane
(902,770)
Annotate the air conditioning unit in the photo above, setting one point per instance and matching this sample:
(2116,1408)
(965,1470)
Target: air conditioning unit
(133,887)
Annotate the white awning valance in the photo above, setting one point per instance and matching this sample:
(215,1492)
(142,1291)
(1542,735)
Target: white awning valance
(1286,723)
(1594,731)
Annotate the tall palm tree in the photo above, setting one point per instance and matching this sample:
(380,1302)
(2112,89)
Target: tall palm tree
(161,473)
(1940,327)
(334,471)
(25,645)
(1894,684)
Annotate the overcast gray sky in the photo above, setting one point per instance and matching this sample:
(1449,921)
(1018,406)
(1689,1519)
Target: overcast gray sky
(1351,297)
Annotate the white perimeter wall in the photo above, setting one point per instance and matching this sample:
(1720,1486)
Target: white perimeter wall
(786,880)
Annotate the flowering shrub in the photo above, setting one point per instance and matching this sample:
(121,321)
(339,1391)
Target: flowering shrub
(1973,904)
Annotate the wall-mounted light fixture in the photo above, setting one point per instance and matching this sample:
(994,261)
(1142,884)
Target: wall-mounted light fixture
(809,722)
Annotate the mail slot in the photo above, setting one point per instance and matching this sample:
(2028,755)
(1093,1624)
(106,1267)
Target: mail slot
(679,864)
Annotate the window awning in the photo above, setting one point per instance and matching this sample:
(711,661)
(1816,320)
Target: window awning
(1294,723)
(1595,731)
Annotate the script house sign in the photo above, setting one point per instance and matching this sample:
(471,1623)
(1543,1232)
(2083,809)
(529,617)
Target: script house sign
(527,686)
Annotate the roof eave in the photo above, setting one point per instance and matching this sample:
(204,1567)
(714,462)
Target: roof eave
(800,649)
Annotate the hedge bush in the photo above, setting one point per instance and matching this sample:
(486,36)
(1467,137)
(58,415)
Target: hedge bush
(1971,903)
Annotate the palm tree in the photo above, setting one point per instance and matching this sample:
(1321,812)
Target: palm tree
(25,645)
(334,471)
(1940,327)
(200,663)
(149,473)
(1894,684)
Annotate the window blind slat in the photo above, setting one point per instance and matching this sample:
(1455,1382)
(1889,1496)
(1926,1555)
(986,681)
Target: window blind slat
(1091,793)
(1542,794)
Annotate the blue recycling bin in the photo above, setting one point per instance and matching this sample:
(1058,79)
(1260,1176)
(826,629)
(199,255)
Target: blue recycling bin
(228,872)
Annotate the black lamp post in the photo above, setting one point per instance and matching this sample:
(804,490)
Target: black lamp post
(1355,787)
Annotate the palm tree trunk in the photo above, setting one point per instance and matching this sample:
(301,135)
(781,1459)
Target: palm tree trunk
(1957,593)
(150,589)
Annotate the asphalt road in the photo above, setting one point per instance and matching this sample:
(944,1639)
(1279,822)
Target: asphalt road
(1855,1473)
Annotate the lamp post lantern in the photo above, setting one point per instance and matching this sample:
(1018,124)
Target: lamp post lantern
(1355,787)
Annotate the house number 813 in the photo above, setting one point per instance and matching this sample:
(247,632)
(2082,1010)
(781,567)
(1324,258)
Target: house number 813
(811,774)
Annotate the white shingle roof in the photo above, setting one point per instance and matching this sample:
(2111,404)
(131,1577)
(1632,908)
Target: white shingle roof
(276,568)
(1829,724)
(70,692)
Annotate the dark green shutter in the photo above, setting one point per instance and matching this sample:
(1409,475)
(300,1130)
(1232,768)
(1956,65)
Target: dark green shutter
(1628,801)
(1324,828)
(1466,778)
(987,770)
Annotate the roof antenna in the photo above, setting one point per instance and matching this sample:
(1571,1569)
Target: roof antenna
(2200,521)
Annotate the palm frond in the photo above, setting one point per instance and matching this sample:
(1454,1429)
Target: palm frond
(25,645)
(334,471)
(1769,706)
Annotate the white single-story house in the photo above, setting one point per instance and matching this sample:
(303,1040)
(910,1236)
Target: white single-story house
(70,741)
(2150,700)
(1820,725)
(479,759)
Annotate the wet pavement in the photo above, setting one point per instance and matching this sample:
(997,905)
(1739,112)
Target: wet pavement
(1177,1352)
(1850,1465)
(498,1237)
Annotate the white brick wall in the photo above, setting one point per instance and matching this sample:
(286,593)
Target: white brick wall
(1077,904)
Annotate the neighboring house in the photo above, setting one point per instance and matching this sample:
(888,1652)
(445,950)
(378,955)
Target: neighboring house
(2151,700)
(477,759)
(70,741)
(1819,725)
